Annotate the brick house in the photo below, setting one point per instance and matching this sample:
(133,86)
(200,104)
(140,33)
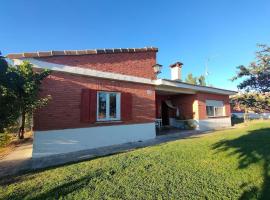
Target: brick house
(112,96)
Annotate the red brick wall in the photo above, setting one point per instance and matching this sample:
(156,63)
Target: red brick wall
(202,97)
(135,64)
(185,104)
(63,111)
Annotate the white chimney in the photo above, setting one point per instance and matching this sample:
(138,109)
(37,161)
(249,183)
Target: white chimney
(176,71)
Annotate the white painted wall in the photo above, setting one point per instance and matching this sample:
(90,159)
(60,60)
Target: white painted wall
(70,140)
(214,123)
(204,125)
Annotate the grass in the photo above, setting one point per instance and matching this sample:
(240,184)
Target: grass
(229,164)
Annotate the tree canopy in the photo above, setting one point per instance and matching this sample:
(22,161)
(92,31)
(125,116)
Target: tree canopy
(20,86)
(257,74)
(254,83)
(202,80)
(9,109)
(195,80)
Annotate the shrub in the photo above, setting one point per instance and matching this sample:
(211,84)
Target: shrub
(236,120)
(4,139)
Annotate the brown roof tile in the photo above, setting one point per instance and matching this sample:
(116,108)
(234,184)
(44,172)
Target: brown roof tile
(42,54)
(79,52)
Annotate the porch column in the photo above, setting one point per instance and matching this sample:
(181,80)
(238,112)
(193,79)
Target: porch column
(196,109)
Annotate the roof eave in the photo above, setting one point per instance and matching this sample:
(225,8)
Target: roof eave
(195,88)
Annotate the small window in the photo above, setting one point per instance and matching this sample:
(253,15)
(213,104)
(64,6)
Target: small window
(108,106)
(214,108)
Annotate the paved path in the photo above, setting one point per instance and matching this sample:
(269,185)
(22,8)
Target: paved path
(17,160)
(20,159)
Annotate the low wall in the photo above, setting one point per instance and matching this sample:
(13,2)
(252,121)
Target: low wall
(214,123)
(253,115)
(70,140)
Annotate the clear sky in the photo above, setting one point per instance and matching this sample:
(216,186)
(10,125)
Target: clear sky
(226,31)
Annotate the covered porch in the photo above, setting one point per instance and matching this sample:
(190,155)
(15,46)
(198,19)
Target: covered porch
(175,110)
(182,106)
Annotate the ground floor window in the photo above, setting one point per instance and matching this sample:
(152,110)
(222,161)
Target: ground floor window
(214,108)
(108,106)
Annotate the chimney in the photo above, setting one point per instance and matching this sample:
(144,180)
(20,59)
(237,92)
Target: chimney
(176,71)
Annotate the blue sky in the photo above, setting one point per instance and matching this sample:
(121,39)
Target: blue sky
(226,31)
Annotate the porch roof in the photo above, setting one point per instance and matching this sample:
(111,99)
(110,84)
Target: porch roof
(181,87)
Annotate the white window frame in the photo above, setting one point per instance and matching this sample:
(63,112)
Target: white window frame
(118,106)
(215,106)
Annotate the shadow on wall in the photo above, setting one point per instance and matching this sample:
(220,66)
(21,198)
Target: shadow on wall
(251,149)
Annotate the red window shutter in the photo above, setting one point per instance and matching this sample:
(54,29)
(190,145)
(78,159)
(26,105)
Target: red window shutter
(126,106)
(93,106)
(88,105)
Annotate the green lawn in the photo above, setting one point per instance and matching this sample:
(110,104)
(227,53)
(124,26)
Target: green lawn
(228,164)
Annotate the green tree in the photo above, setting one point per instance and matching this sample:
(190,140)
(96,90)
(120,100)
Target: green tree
(254,83)
(202,80)
(191,79)
(22,85)
(9,110)
(27,89)
(196,80)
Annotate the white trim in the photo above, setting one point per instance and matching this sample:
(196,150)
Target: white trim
(177,84)
(70,140)
(161,84)
(176,90)
(83,71)
(118,105)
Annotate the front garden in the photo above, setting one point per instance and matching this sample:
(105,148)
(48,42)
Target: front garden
(229,164)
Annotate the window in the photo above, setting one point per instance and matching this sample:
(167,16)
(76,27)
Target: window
(108,106)
(214,108)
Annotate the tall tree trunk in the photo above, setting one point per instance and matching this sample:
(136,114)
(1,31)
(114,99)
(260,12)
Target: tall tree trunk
(21,130)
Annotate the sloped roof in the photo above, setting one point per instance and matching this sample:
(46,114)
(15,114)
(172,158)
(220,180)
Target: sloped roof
(79,52)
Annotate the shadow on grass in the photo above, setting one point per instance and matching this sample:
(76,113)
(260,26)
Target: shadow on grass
(251,148)
(59,191)
(25,175)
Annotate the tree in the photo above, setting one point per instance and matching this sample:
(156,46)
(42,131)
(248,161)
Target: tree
(27,89)
(22,84)
(201,80)
(191,79)
(196,80)
(255,83)
(9,110)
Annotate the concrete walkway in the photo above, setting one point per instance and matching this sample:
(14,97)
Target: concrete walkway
(17,160)
(20,159)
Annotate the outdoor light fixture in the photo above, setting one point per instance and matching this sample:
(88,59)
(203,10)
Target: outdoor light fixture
(157,68)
